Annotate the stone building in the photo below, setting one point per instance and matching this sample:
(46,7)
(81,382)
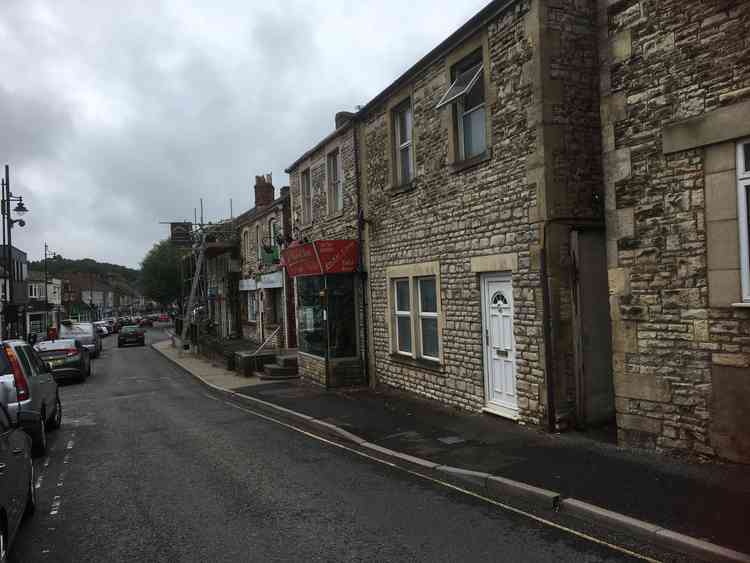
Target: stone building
(482,183)
(222,279)
(324,259)
(266,295)
(675,112)
(544,160)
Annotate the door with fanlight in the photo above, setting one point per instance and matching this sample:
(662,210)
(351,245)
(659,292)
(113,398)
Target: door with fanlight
(499,346)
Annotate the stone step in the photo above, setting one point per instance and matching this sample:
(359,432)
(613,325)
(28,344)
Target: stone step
(275,371)
(287,361)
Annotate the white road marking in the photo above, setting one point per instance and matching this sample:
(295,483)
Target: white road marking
(211,397)
(70,445)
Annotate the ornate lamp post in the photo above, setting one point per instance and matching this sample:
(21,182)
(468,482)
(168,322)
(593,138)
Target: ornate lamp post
(20,209)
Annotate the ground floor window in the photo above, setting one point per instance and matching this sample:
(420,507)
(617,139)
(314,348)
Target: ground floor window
(327,318)
(312,335)
(414,296)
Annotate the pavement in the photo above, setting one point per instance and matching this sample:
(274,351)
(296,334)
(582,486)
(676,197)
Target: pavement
(690,501)
(152,465)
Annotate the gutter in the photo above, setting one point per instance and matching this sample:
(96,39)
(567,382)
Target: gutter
(360,259)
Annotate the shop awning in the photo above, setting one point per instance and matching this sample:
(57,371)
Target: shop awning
(321,257)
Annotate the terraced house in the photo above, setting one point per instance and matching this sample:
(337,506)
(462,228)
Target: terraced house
(551,216)
(264,290)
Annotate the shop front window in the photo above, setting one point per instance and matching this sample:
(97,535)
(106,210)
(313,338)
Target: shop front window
(342,326)
(312,335)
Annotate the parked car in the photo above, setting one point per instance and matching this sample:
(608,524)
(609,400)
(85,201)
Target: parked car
(111,324)
(27,386)
(145,321)
(85,333)
(164,318)
(67,358)
(131,334)
(102,328)
(17,483)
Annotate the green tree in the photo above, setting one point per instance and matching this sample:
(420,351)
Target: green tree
(160,273)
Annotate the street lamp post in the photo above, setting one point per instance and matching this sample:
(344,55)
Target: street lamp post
(47,253)
(7,198)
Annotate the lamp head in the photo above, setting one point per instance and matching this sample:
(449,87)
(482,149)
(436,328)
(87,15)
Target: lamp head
(20,208)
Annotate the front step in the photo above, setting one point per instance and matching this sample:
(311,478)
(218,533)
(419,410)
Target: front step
(287,361)
(278,372)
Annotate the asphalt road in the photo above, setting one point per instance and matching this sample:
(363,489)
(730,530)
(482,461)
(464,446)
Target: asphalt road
(149,466)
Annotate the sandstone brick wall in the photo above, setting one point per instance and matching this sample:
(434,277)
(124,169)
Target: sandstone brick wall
(312,368)
(663,62)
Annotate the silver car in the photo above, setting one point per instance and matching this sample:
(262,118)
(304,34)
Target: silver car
(27,387)
(85,333)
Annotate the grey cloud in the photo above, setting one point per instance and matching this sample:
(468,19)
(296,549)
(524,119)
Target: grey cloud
(122,114)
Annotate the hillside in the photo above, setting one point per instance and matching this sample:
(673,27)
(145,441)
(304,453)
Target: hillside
(59,265)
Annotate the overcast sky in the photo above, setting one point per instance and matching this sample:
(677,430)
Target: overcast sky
(117,115)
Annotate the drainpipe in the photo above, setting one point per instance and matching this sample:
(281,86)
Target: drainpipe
(360,258)
(546,313)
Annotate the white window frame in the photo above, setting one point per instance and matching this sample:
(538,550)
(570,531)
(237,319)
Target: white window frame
(259,242)
(743,186)
(403,314)
(306,192)
(246,244)
(427,315)
(413,273)
(335,187)
(400,111)
(461,116)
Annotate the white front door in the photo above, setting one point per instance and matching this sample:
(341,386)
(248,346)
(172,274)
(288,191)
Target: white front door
(499,345)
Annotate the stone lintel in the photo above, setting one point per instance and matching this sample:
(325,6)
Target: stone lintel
(495,263)
(719,125)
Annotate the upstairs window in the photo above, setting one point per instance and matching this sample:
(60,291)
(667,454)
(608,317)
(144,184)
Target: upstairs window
(743,213)
(403,125)
(306,198)
(259,242)
(335,191)
(466,96)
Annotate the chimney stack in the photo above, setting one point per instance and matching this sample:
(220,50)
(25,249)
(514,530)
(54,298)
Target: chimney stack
(342,118)
(264,191)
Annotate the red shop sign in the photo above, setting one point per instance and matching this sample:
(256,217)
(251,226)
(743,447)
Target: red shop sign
(301,260)
(338,256)
(321,257)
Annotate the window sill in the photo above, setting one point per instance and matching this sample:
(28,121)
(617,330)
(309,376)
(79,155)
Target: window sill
(741,305)
(403,188)
(335,214)
(417,362)
(463,165)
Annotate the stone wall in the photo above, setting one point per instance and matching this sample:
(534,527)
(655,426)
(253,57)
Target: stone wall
(451,215)
(680,348)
